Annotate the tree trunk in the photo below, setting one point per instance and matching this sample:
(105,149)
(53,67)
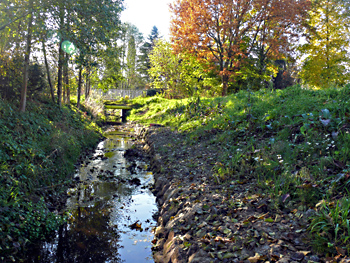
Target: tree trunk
(60,60)
(59,75)
(63,88)
(68,92)
(48,72)
(224,79)
(79,85)
(66,78)
(23,102)
(87,85)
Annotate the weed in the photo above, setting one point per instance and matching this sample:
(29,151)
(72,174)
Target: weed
(330,227)
(295,142)
(39,149)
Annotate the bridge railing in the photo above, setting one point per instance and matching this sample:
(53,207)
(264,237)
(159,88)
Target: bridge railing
(118,93)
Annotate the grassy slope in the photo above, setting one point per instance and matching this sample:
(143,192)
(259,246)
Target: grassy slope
(38,151)
(294,143)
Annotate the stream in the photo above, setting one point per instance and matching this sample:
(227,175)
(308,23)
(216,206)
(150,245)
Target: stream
(110,210)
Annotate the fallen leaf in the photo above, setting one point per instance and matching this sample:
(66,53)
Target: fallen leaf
(263,215)
(136,226)
(284,197)
(256,258)
(249,219)
(340,251)
(320,203)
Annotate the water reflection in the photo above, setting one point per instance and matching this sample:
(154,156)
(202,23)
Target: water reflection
(103,207)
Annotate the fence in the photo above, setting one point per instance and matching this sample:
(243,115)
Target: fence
(118,93)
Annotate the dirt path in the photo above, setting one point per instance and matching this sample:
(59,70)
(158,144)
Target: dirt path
(203,221)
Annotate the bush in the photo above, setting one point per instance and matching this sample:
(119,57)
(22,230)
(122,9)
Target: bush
(37,156)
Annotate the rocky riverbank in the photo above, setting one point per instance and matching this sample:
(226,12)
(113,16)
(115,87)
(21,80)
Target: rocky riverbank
(202,219)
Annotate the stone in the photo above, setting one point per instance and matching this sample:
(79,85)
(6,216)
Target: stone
(285,259)
(298,256)
(315,258)
(159,232)
(199,257)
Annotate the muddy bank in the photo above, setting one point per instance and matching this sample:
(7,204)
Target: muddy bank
(203,220)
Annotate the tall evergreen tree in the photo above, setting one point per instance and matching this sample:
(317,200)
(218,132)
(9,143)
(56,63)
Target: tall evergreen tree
(144,63)
(131,60)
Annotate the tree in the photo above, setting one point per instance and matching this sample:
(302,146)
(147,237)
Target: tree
(177,74)
(89,25)
(131,60)
(94,24)
(146,49)
(326,51)
(22,105)
(60,53)
(226,32)
(133,39)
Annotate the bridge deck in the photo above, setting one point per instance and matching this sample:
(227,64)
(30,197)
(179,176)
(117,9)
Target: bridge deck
(117,106)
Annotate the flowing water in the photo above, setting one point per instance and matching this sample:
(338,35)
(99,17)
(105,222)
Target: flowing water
(111,210)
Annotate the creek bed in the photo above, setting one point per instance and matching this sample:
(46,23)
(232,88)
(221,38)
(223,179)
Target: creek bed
(111,210)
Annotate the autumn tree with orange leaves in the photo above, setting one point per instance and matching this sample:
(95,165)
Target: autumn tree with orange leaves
(228,32)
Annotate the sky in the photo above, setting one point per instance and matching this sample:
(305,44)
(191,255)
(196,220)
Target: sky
(145,14)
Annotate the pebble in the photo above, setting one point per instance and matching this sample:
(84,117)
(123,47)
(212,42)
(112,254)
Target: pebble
(298,256)
(315,258)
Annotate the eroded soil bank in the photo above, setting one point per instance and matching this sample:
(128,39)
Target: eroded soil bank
(201,220)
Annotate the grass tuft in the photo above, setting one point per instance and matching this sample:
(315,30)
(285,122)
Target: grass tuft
(294,143)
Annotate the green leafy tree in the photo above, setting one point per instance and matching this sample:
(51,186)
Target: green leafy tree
(93,26)
(87,25)
(111,68)
(20,15)
(119,59)
(125,49)
(177,74)
(325,54)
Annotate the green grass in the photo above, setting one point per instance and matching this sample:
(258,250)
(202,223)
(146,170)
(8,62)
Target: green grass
(330,227)
(38,150)
(293,142)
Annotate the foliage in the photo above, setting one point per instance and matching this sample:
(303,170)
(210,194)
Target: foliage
(131,59)
(177,74)
(37,80)
(84,31)
(37,157)
(330,228)
(145,50)
(293,143)
(325,53)
(226,33)
(10,75)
